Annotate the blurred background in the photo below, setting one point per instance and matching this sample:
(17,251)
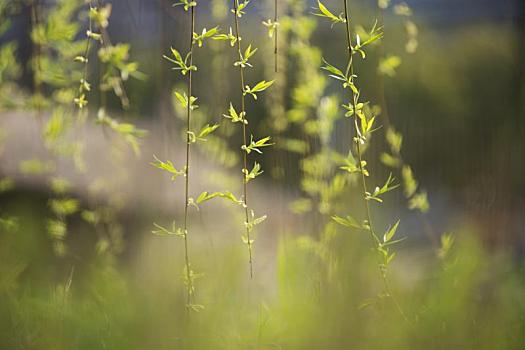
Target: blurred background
(81,268)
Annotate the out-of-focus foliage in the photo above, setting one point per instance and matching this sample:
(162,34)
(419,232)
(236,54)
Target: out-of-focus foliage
(471,299)
(63,282)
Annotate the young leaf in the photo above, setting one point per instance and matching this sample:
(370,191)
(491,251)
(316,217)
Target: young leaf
(240,8)
(243,62)
(167,166)
(378,191)
(205,34)
(206,130)
(162,231)
(347,221)
(410,183)
(259,87)
(390,233)
(271,26)
(256,145)
(252,174)
(227,37)
(187,4)
(324,12)
(181,64)
(183,100)
(234,116)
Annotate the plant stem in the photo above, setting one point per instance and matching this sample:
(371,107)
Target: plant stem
(355,97)
(275,35)
(375,239)
(244,154)
(187,168)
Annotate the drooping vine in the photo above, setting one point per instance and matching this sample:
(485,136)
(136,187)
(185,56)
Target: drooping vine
(364,123)
(187,68)
(253,145)
(185,65)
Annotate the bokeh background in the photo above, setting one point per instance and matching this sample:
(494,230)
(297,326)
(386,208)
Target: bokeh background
(80,267)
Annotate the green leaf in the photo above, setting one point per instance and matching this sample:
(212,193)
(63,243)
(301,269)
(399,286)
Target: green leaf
(234,116)
(347,221)
(324,12)
(388,65)
(180,64)
(187,4)
(390,233)
(183,100)
(252,174)
(378,191)
(336,72)
(271,26)
(167,166)
(206,196)
(243,59)
(259,87)
(395,140)
(389,160)
(410,183)
(227,37)
(258,220)
(256,145)
(240,8)
(100,16)
(205,34)
(206,130)
(174,231)
(352,166)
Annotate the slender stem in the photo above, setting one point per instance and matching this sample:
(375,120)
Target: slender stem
(355,98)
(244,154)
(187,168)
(275,19)
(375,239)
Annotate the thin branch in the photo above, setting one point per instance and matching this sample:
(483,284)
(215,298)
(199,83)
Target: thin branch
(375,239)
(275,19)
(187,169)
(244,154)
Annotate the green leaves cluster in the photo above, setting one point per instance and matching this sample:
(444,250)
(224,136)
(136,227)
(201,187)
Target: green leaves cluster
(241,6)
(256,145)
(259,87)
(227,37)
(271,26)
(326,13)
(186,4)
(181,64)
(205,34)
(168,167)
(417,199)
(236,117)
(248,53)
